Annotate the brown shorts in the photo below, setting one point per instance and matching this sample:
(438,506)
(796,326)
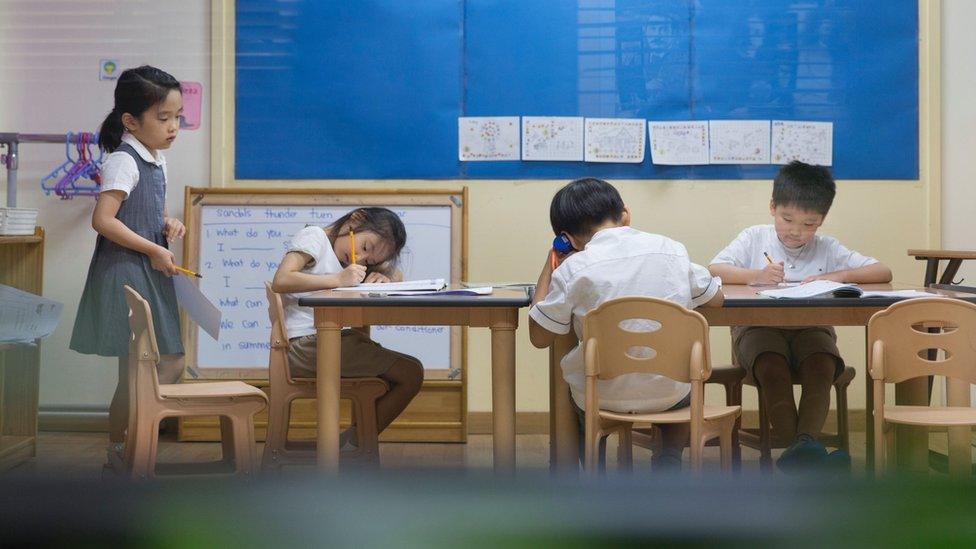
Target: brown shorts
(795,344)
(361,356)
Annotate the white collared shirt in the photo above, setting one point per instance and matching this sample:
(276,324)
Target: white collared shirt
(617,262)
(312,240)
(822,255)
(119,170)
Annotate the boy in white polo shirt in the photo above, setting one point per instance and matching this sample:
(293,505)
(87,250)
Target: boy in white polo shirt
(789,250)
(614,260)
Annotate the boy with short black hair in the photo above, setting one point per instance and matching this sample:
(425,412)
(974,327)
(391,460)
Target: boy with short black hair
(802,196)
(610,260)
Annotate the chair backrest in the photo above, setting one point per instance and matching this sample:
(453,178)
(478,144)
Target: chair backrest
(278,358)
(899,339)
(646,335)
(143,351)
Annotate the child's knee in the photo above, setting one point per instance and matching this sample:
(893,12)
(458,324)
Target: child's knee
(410,373)
(819,368)
(772,369)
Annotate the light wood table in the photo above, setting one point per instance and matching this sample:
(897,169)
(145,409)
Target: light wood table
(743,307)
(498,312)
(932,259)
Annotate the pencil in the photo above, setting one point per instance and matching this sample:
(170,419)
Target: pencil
(769,259)
(188,272)
(352,246)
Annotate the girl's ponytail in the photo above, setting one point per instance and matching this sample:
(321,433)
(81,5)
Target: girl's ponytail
(110,134)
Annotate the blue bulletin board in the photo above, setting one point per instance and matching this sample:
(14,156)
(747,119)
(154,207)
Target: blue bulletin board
(373,88)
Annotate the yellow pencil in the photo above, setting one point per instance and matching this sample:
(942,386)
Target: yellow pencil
(188,272)
(769,259)
(352,246)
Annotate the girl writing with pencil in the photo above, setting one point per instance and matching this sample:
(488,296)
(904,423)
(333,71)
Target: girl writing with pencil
(362,245)
(134,230)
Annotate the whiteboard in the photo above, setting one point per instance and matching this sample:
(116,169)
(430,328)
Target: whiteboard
(240,247)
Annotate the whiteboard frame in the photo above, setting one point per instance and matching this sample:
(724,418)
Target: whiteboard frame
(195,198)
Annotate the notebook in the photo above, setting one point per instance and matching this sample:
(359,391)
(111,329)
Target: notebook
(432,284)
(824,288)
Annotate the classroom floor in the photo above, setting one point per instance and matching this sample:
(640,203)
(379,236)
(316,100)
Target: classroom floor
(81,455)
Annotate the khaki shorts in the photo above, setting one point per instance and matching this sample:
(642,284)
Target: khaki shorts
(795,344)
(361,356)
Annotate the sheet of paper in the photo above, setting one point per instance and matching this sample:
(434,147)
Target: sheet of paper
(810,142)
(200,309)
(615,139)
(810,289)
(552,138)
(484,290)
(679,143)
(738,141)
(899,293)
(406,285)
(25,317)
(488,138)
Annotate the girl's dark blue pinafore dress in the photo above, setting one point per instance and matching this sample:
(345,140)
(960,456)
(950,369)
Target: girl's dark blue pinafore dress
(102,324)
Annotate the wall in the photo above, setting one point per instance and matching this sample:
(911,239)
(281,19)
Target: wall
(49,61)
(49,84)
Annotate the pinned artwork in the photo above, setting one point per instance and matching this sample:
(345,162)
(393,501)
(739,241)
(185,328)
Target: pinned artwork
(810,142)
(552,138)
(192,105)
(679,142)
(488,138)
(615,140)
(738,141)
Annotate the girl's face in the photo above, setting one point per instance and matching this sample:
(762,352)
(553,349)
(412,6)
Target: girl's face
(158,126)
(370,248)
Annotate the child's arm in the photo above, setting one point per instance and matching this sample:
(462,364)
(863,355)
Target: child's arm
(875,273)
(539,336)
(384,272)
(772,273)
(106,224)
(289,277)
(173,228)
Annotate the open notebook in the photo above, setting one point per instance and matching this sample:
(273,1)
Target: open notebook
(430,285)
(824,288)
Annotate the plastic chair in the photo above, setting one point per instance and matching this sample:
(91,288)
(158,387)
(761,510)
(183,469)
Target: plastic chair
(900,339)
(235,402)
(678,339)
(361,391)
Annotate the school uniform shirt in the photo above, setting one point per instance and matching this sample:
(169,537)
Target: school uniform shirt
(618,262)
(313,241)
(119,170)
(822,255)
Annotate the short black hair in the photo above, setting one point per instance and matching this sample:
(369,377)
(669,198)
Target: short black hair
(804,186)
(583,205)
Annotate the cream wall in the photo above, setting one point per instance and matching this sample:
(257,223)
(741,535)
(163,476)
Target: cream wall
(49,84)
(49,60)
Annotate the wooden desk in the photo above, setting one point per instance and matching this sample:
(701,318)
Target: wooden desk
(932,259)
(499,312)
(743,307)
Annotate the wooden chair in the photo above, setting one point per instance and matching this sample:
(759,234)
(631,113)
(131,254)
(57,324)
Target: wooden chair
(235,402)
(900,339)
(362,392)
(761,438)
(680,352)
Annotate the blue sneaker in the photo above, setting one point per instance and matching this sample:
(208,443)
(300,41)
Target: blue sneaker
(838,461)
(805,453)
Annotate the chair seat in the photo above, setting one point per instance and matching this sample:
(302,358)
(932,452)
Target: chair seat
(211,390)
(930,415)
(726,374)
(681,415)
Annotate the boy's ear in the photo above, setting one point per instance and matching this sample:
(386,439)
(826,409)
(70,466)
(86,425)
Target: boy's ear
(772,208)
(575,241)
(625,217)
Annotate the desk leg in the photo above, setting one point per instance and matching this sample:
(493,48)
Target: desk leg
(328,347)
(868,408)
(563,425)
(502,398)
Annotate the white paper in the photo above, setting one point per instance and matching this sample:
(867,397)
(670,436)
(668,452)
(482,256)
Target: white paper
(552,138)
(200,309)
(488,138)
(738,141)
(899,293)
(484,290)
(810,142)
(810,289)
(405,286)
(614,139)
(679,143)
(25,317)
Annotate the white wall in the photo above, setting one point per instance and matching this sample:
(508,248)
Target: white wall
(959,131)
(49,61)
